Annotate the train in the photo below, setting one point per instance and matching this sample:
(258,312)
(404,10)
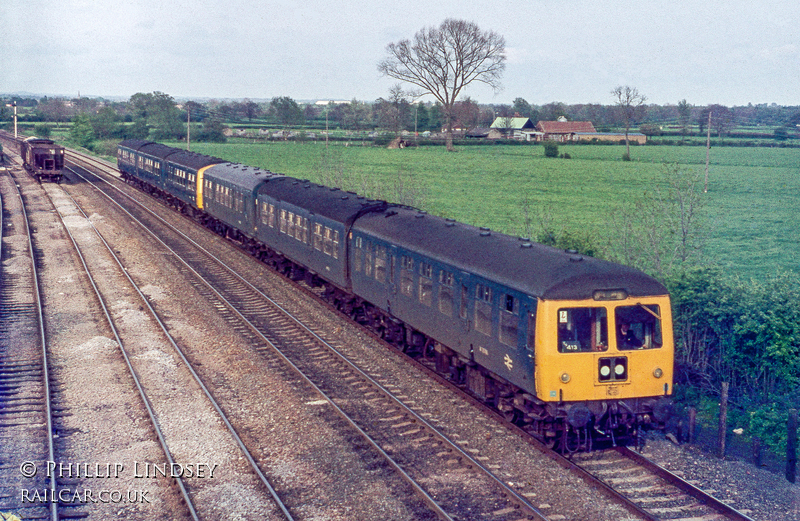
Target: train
(42,158)
(576,350)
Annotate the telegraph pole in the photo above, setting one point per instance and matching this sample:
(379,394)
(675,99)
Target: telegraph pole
(708,150)
(14,104)
(188,124)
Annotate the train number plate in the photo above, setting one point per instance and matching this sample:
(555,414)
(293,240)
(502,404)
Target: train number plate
(612,390)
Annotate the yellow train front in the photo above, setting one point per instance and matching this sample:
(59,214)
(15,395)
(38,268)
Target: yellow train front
(603,367)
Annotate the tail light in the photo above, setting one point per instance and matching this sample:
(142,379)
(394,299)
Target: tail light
(613,369)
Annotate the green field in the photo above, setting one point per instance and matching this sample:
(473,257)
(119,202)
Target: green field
(753,201)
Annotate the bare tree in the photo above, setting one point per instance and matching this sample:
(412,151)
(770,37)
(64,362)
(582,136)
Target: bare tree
(666,228)
(629,102)
(443,60)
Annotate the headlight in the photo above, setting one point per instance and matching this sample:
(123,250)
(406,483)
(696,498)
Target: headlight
(605,370)
(565,378)
(658,373)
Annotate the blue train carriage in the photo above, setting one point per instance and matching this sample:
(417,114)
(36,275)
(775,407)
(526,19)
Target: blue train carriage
(528,327)
(227,196)
(143,161)
(449,282)
(173,174)
(304,225)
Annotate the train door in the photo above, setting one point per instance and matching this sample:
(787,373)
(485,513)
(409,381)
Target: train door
(464,302)
(391,276)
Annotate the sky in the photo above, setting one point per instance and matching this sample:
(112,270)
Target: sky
(727,52)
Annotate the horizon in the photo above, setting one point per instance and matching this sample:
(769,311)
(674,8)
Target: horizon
(707,52)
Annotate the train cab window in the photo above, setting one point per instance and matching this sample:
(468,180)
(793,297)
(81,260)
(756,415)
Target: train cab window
(509,321)
(407,275)
(483,309)
(425,284)
(582,330)
(638,327)
(446,293)
(380,263)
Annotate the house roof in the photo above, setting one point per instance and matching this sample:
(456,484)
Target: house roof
(565,127)
(514,123)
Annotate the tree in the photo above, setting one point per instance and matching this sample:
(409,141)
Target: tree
(286,110)
(684,116)
(443,60)
(466,113)
(81,131)
(104,123)
(630,103)
(523,108)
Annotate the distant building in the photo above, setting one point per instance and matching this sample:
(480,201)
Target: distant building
(633,137)
(563,130)
(511,127)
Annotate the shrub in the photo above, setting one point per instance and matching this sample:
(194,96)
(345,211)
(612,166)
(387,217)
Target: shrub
(550,149)
(42,130)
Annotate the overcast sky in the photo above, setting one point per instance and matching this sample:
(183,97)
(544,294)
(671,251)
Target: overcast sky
(728,52)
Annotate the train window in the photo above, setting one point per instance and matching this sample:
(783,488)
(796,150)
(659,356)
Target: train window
(368,259)
(509,321)
(358,259)
(582,330)
(331,243)
(300,228)
(483,309)
(283,225)
(531,332)
(380,263)
(638,327)
(425,283)
(407,275)
(327,242)
(335,240)
(318,239)
(446,293)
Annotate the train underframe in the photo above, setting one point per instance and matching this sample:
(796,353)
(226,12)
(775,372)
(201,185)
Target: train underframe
(44,174)
(565,426)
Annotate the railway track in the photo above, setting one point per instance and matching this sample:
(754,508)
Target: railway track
(665,495)
(401,439)
(244,307)
(27,399)
(656,491)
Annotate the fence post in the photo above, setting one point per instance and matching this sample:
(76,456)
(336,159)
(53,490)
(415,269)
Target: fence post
(723,420)
(692,423)
(757,461)
(791,447)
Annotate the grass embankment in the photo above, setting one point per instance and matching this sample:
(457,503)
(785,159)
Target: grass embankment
(752,202)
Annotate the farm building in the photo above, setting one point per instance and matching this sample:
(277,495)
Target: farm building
(563,130)
(518,128)
(633,137)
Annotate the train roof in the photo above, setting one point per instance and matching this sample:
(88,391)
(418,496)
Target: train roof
(33,140)
(192,160)
(238,174)
(532,268)
(333,203)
